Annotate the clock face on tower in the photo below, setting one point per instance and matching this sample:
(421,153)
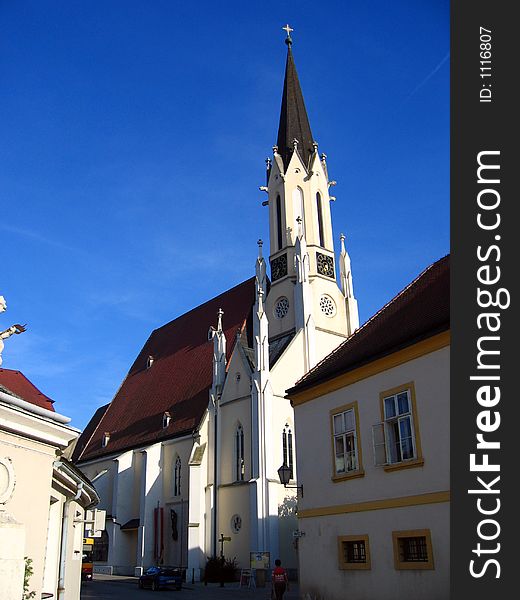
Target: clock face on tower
(325,265)
(279,267)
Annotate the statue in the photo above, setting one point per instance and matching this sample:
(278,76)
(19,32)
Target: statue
(17,328)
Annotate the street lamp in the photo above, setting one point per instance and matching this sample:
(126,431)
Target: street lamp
(284,473)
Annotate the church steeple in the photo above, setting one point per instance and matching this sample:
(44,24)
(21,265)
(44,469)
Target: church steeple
(304,295)
(294,122)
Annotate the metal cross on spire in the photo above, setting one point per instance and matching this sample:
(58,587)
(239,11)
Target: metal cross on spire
(288,29)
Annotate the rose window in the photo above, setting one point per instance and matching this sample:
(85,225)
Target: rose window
(327,306)
(281,307)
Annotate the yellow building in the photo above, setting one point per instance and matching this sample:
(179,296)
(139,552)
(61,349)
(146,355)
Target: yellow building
(373,450)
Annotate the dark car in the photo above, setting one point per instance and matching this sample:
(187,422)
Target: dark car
(161,577)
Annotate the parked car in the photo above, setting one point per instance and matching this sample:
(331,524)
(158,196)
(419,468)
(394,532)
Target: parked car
(161,577)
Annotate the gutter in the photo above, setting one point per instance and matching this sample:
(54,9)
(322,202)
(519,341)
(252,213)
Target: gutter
(80,487)
(33,408)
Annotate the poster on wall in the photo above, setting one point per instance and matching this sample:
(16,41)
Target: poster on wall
(260,560)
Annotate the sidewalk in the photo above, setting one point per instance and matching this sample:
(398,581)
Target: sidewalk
(199,591)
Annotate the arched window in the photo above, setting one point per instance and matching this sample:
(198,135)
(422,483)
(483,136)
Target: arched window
(177,477)
(240,467)
(320,220)
(287,444)
(298,210)
(279,236)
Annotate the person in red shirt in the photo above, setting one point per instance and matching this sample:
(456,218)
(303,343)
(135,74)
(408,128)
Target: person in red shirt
(280,580)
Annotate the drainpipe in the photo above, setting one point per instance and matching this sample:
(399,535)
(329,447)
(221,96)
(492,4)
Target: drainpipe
(64,538)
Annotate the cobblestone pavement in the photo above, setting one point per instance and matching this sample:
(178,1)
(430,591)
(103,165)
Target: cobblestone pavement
(111,587)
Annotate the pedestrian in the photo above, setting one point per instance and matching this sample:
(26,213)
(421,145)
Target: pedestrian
(280,580)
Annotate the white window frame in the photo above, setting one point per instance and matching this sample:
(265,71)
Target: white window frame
(388,444)
(344,434)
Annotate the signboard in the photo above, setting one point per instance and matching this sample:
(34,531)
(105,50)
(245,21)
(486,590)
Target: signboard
(260,560)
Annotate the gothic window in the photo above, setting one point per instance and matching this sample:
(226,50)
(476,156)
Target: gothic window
(279,267)
(327,305)
(298,209)
(279,222)
(177,477)
(325,265)
(281,307)
(240,469)
(320,220)
(287,445)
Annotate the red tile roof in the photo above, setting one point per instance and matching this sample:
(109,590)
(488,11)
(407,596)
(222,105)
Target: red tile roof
(419,311)
(18,384)
(178,380)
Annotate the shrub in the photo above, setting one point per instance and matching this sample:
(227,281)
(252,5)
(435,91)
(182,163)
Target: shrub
(27,595)
(220,569)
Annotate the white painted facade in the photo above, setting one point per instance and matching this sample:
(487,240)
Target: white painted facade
(42,502)
(364,503)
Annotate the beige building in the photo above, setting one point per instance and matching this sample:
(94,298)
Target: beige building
(188,450)
(43,497)
(373,450)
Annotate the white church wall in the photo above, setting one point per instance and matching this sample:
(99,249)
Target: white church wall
(104,482)
(233,414)
(283,288)
(123,504)
(238,379)
(287,523)
(289,367)
(197,519)
(234,500)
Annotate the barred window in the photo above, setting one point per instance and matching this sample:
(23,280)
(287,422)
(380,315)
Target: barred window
(354,552)
(413,549)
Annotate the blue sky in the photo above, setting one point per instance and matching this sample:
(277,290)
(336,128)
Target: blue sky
(134,135)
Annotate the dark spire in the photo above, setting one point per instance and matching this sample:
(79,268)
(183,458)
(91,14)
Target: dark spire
(294,123)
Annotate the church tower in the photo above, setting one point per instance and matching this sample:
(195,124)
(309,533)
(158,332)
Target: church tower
(304,293)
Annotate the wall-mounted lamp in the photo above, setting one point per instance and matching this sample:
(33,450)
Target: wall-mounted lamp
(284,473)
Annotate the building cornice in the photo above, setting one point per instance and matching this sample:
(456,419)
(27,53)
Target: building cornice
(403,501)
(33,422)
(394,359)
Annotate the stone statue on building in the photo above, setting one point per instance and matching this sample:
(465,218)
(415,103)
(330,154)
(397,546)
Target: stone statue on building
(17,328)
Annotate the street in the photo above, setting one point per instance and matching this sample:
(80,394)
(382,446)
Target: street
(107,587)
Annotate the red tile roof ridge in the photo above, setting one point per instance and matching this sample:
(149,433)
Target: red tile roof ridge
(180,377)
(28,391)
(201,305)
(370,320)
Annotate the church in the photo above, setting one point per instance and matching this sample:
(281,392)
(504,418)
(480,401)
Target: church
(186,456)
